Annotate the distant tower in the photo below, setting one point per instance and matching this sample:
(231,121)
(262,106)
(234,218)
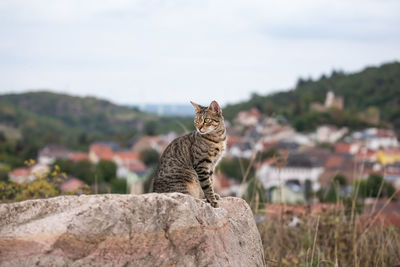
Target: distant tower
(330,97)
(332,101)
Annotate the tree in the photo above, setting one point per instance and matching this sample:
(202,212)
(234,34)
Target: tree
(150,128)
(149,157)
(106,171)
(374,182)
(235,168)
(308,189)
(334,193)
(4,170)
(84,170)
(266,154)
(66,165)
(375,186)
(118,186)
(340,179)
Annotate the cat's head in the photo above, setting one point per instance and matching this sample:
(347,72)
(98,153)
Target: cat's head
(208,119)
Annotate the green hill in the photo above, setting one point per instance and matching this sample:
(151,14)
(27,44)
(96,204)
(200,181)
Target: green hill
(29,121)
(373,90)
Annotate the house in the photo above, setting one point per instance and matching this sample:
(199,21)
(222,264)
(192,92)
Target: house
(127,163)
(389,155)
(135,181)
(131,168)
(125,168)
(239,146)
(291,193)
(50,153)
(330,134)
(300,139)
(100,151)
(392,174)
(241,150)
(78,156)
(28,174)
(299,167)
(338,164)
(347,148)
(125,157)
(21,175)
(248,117)
(277,132)
(374,138)
(158,143)
(72,184)
(365,154)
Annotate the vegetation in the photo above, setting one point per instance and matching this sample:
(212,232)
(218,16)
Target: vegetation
(84,169)
(373,92)
(45,185)
(329,239)
(375,186)
(342,235)
(30,121)
(234,168)
(150,157)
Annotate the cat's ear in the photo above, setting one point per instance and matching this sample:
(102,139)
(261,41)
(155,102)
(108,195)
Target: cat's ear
(215,107)
(197,107)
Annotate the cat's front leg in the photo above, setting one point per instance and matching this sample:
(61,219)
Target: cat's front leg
(206,184)
(218,197)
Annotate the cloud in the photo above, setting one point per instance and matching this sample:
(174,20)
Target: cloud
(171,51)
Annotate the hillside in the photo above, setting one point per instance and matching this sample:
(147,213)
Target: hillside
(31,120)
(365,92)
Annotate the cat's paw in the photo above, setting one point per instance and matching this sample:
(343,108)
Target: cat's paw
(217,197)
(214,203)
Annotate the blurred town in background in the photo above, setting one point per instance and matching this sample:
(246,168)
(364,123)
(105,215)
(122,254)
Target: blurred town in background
(91,93)
(269,158)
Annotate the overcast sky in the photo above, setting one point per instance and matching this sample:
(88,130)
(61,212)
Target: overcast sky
(176,51)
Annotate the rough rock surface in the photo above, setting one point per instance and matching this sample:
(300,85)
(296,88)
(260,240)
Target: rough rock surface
(128,230)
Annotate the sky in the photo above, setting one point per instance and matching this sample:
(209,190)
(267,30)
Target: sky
(134,52)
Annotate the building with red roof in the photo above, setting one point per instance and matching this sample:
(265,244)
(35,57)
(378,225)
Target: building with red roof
(72,185)
(99,152)
(78,156)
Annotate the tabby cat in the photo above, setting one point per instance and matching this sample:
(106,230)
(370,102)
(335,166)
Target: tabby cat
(188,163)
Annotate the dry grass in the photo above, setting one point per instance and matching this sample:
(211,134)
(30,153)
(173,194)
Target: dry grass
(330,239)
(337,237)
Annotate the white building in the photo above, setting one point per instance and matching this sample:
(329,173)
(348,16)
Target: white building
(299,168)
(374,138)
(50,153)
(330,134)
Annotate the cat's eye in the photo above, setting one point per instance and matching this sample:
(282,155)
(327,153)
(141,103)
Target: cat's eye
(196,121)
(207,120)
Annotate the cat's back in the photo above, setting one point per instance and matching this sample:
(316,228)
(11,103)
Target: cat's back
(175,165)
(179,147)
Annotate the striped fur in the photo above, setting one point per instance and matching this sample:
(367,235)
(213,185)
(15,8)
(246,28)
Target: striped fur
(187,164)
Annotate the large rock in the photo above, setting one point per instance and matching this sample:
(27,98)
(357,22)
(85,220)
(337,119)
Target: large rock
(128,230)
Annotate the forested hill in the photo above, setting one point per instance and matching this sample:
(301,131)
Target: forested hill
(373,90)
(40,118)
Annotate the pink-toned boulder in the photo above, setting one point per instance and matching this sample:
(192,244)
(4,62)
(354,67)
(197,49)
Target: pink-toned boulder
(129,230)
